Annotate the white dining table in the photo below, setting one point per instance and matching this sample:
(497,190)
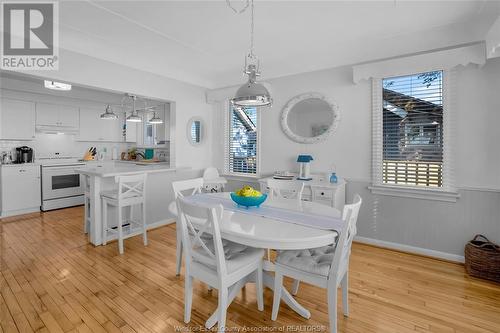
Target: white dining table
(267,233)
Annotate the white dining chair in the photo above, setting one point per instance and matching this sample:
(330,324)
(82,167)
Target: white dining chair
(131,192)
(181,189)
(279,188)
(325,267)
(212,181)
(218,264)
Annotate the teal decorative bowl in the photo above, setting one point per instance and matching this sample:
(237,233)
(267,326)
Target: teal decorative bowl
(248,201)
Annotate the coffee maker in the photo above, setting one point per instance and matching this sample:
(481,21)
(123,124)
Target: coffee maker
(24,154)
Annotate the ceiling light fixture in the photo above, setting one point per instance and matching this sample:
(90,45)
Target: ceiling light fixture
(134,116)
(109,114)
(155,119)
(56,85)
(251,94)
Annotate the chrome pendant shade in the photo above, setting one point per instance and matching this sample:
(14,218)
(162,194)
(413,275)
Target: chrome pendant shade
(251,94)
(134,116)
(109,114)
(155,119)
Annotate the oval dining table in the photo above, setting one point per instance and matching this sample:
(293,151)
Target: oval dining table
(268,233)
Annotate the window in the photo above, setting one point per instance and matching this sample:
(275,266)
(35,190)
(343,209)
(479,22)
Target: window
(196,131)
(412,130)
(242,149)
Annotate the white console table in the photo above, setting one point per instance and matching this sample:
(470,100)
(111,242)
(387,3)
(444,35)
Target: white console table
(317,190)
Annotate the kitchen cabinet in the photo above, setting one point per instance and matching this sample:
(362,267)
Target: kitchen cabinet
(54,115)
(19,189)
(17,119)
(93,128)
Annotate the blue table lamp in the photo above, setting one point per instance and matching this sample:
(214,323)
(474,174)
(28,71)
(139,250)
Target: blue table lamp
(305,167)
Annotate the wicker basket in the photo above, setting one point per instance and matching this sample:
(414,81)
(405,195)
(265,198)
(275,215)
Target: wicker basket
(482,258)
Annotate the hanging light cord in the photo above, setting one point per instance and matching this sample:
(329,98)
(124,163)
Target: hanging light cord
(248,3)
(251,32)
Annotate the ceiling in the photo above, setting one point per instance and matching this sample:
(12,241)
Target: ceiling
(204,42)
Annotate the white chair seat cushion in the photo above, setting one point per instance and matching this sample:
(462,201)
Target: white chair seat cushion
(315,261)
(237,255)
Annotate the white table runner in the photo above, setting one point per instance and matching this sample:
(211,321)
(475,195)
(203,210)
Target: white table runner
(268,211)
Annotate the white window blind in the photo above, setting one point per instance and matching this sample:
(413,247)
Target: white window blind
(242,148)
(412,125)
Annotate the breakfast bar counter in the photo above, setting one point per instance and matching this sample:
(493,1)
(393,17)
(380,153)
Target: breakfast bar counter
(100,176)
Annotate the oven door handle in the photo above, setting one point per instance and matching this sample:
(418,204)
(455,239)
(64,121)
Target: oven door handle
(62,167)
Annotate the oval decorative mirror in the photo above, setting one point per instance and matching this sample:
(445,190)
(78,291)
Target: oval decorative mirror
(195,130)
(309,118)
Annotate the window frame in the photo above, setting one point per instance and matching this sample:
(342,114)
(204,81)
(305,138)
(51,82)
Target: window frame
(445,193)
(227,139)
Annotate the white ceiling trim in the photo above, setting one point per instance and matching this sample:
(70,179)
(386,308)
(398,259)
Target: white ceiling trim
(440,60)
(148,28)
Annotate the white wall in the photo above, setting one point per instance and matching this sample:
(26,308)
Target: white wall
(189,100)
(424,224)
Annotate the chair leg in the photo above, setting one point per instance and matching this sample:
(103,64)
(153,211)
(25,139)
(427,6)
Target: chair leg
(295,287)
(104,219)
(120,230)
(278,284)
(345,294)
(188,298)
(178,249)
(259,288)
(144,229)
(332,308)
(85,216)
(223,295)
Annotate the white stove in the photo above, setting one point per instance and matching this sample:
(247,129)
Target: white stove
(61,184)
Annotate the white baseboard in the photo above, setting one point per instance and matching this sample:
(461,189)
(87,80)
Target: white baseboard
(10,213)
(411,249)
(160,223)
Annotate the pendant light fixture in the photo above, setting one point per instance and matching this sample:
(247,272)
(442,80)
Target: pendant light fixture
(134,116)
(155,119)
(109,114)
(251,94)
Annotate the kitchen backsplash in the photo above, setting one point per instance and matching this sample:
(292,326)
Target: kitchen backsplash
(48,145)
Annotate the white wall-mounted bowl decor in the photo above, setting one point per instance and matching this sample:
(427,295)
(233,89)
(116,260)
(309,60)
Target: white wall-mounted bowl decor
(309,118)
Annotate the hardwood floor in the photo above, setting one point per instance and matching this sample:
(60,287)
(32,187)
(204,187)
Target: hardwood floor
(53,281)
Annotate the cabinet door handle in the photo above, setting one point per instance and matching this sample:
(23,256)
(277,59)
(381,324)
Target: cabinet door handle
(21,170)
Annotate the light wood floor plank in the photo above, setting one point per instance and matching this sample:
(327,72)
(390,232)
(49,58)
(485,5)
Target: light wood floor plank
(52,280)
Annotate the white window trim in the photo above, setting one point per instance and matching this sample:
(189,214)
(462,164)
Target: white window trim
(227,129)
(448,191)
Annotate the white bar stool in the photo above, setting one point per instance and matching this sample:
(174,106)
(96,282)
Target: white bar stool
(131,191)
(86,193)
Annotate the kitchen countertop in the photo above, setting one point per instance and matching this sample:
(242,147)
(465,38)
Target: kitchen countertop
(119,169)
(20,165)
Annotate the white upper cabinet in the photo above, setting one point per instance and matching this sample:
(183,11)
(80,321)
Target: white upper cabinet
(17,120)
(55,115)
(93,128)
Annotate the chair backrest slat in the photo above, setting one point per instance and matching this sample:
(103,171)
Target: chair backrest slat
(130,186)
(187,187)
(196,220)
(277,188)
(344,241)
